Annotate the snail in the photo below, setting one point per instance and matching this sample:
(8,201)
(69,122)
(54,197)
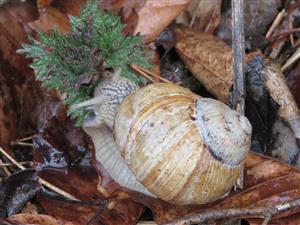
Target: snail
(166,142)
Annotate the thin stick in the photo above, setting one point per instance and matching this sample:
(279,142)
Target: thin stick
(291,60)
(238,47)
(275,23)
(42,181)
(153,74)
(284,33)
(238,50)
(194,14)
(11,164)
(260,212)
(13,143)
(139,71)
(6,171)
(24,139)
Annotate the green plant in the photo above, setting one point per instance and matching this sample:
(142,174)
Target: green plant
(74,63)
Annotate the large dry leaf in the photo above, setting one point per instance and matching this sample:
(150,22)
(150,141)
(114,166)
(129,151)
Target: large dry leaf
(50,19)
(147,17)
(201,15)
(208,58)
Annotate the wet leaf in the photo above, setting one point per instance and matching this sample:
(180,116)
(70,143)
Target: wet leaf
(16,190)
(37,219)
(50,19)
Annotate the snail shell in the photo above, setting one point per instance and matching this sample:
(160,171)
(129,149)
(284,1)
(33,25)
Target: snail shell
(183,148)
(170,143)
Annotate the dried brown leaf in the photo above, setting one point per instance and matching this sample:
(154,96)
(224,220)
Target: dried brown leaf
(208,58)
(147,17)
(43,4)
(50,19)
(35,219)
(201,15)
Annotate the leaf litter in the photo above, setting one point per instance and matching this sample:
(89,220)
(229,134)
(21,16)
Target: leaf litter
(64,155)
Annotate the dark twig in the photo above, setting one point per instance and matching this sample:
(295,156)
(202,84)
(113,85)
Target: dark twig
(283,33)
(238,48)
(265,213)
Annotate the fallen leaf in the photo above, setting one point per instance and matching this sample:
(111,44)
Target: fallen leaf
(16,190)
(6,222)
(208,58)
(51,19)
(148,17)
(71,7)
(201,15)
(155,16)
(35,219)
(43,4)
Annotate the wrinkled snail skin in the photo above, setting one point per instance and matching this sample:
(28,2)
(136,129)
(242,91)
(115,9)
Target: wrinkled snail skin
(165,141)
(159,134)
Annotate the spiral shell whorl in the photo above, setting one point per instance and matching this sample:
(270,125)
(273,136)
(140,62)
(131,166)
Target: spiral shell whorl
(225,131)
(158,134)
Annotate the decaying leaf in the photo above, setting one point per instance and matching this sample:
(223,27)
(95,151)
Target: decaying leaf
(208,58)
(201,15)
(16,190)
(39,219)
(148,17)
(51,19)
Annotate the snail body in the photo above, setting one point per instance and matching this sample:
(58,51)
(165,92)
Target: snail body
(176,145)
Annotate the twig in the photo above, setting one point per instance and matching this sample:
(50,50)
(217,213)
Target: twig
(20,143)
(284,33)
(194,14)
(275,23)
(138,70)
(42,181)
(153,74)
(291,60)
(238,50)
(290,24)
(261,212)
(6,171)
(24,139)
(11,164)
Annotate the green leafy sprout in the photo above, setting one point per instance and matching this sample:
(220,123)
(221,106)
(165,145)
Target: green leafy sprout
(73,63)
